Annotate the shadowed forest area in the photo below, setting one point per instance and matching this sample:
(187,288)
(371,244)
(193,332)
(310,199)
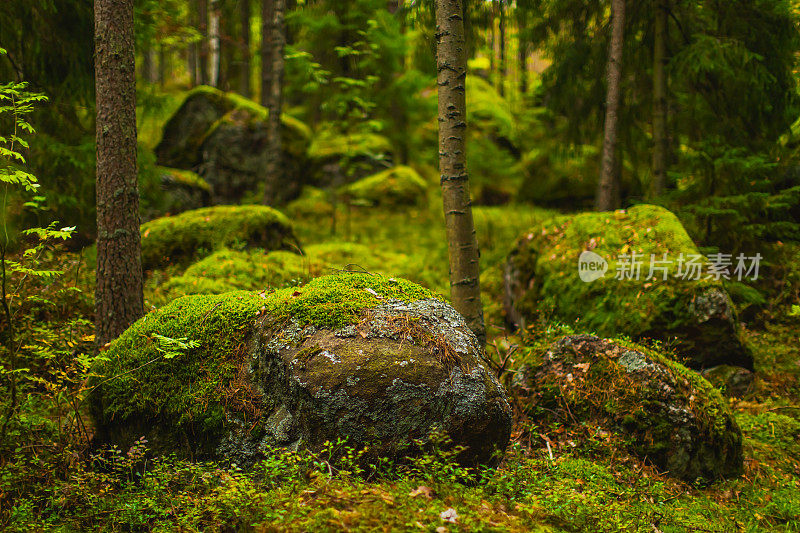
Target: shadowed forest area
(400,265)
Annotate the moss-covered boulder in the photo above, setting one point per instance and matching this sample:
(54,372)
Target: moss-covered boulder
(222,136)
(667,413)
(376,360)
(183,190)
(394,187)
(542,276)
(194,234)
(339,158)
(256,269)
(234,157)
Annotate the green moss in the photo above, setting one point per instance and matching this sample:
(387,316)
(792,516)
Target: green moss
(547,257)
(338,300)
(197,391)
(642,393)
(193,234)
(398,186)
(185,178)
(329,144)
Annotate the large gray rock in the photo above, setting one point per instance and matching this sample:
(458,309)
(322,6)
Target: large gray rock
(670,415)
(380,362)
(223,137)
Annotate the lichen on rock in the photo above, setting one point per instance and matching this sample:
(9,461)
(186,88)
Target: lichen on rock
(378,361)
(542,276)
(669,414)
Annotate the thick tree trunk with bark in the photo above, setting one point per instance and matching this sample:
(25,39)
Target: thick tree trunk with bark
(606,185)
(275,101)
(267,14)
(244,71)
(118,295)
(202,15)
(659,101)
(462,242)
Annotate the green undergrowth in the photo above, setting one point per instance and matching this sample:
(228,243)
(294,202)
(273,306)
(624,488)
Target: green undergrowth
(563,489)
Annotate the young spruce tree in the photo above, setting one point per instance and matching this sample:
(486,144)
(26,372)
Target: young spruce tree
(451,56)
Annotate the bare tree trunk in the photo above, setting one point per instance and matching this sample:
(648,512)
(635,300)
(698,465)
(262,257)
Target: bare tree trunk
(147,65)
(191,64)
(162,65)
(274,164)
(659,101)
(244,72)
(493,41)
(502,88)
(522,50)
(606,186)
(118,295)
(214,46)
(202,10)
(267,14)
(462,242)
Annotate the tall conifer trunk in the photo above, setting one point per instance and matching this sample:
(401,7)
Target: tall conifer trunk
(659,101)
(607,185)
(275,101)
(462,242)
(202,15)
(244,72)
(267,14)
(118,294)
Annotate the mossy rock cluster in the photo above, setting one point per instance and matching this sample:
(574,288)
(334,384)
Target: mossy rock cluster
(184,190)
(192,235)
(395,187)
(542,279)
(374,360)
(340,158)
(667,414)
(223,137)
(257,269)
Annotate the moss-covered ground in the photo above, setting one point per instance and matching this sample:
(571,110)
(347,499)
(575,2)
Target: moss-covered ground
(553,478)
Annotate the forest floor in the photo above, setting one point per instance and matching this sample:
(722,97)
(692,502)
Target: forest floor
(551,478)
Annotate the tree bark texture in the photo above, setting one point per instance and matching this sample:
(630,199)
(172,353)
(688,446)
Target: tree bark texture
(606,186)
(659,101)
(118,295)
(462,242)
(202,15)
(267,14)
(274,167)
(244,72)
